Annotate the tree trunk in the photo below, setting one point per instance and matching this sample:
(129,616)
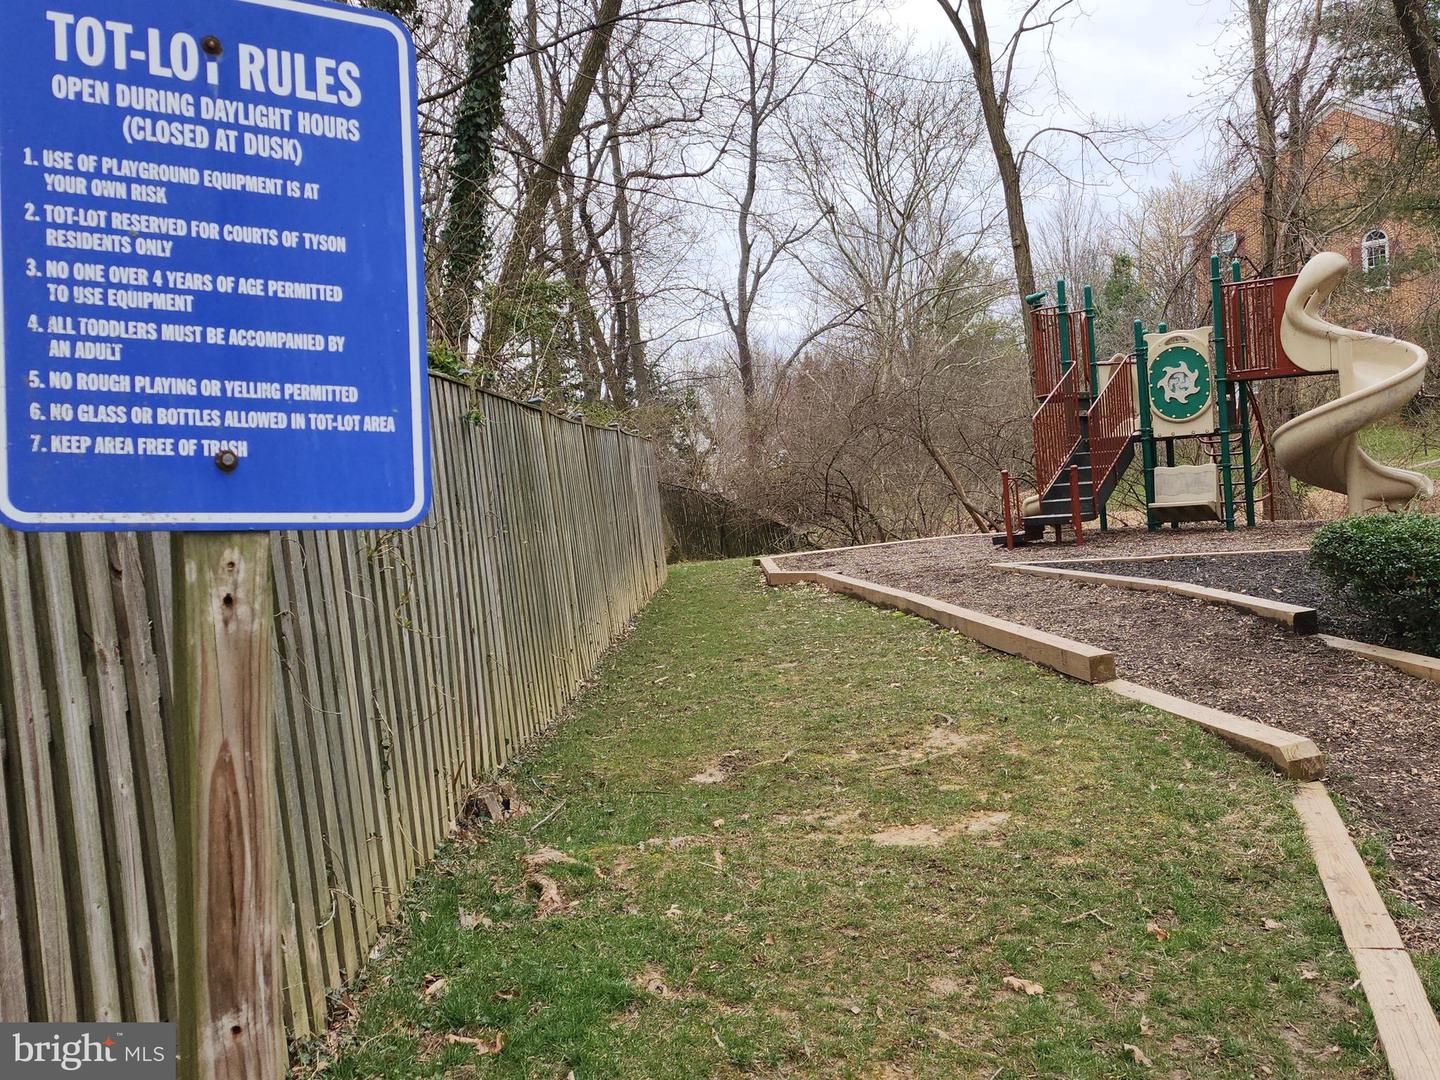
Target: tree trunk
(744,295)
(977,48)
(466,238)
(589,337)
(982,521)
(627,316)
(530,221)
(1419,39)
(1279,397)
(1266,150)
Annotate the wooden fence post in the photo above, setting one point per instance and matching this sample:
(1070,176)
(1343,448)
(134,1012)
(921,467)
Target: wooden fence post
(230,1023)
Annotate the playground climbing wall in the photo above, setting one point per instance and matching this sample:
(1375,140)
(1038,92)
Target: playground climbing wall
(410,665)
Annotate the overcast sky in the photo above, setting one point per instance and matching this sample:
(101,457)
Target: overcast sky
(1140,62)
(1129,63)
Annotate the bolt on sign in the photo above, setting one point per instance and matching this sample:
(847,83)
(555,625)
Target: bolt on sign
(210,267)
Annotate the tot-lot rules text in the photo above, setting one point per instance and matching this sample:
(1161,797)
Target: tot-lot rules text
(209,216)
(121,47)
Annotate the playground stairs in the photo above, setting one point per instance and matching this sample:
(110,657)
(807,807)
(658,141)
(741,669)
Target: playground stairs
(1057,504)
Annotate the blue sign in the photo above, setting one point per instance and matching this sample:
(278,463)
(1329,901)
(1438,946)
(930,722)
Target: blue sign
(211,287)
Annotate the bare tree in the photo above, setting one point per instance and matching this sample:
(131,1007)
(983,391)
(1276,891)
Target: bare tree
(1072,240)
(1292,83)
(1158,231)
(774,46)
(1292,79)
(994,94)
(1419,38)
(894,423)
(530,219)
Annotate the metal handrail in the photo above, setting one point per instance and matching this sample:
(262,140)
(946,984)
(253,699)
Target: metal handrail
(1045,348)
(1056,426)
(1112,422)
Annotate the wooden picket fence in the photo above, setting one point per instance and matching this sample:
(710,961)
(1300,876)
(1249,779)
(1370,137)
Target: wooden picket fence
(410,666)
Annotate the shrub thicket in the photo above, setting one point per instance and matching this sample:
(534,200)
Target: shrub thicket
(1388,564)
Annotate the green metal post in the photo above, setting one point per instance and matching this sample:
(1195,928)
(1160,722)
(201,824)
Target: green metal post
(1247,453)
(1090,341)
(1147,438)
(1063,312)
(1170,461)
(1222,391)
(1094,379)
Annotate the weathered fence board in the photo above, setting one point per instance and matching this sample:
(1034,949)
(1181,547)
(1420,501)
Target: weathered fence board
(408,666)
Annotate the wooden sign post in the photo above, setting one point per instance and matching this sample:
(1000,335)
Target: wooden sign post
(230,1020)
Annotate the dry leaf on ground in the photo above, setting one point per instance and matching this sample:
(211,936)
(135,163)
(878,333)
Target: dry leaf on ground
(1138,1056)
(481,1046)
(550,900)
(549,856)
(1024,986)
(471,920)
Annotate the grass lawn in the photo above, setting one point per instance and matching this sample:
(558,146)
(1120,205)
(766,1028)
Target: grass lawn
(778,921)
(1397,443)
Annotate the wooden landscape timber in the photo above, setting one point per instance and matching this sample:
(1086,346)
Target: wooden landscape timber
(1409,1032)
(1417,664)
(1169,556)
(1293,755)
(408,666)
(977,537)
(1302,620)
(1073,658)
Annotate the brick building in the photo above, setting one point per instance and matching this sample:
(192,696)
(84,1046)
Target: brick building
(1341,207)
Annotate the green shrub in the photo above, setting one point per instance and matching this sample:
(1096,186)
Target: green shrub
(1388,564)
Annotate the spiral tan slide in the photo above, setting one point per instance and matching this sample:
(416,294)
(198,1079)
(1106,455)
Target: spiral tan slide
(1378,376)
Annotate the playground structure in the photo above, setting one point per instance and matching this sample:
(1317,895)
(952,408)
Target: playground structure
(1197,385)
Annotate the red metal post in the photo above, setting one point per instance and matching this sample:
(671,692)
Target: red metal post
(1005,498)
(1075,505)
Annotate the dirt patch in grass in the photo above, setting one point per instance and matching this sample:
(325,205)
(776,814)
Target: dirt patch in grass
(1376,726)
(933,835)
(721,769)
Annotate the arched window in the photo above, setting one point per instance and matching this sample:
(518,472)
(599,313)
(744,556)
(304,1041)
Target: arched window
(1375,251)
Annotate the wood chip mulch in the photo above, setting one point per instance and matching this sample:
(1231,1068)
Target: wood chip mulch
(1378,728)
(1285,576)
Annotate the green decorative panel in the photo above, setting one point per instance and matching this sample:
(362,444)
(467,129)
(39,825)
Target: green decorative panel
(1181,387)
